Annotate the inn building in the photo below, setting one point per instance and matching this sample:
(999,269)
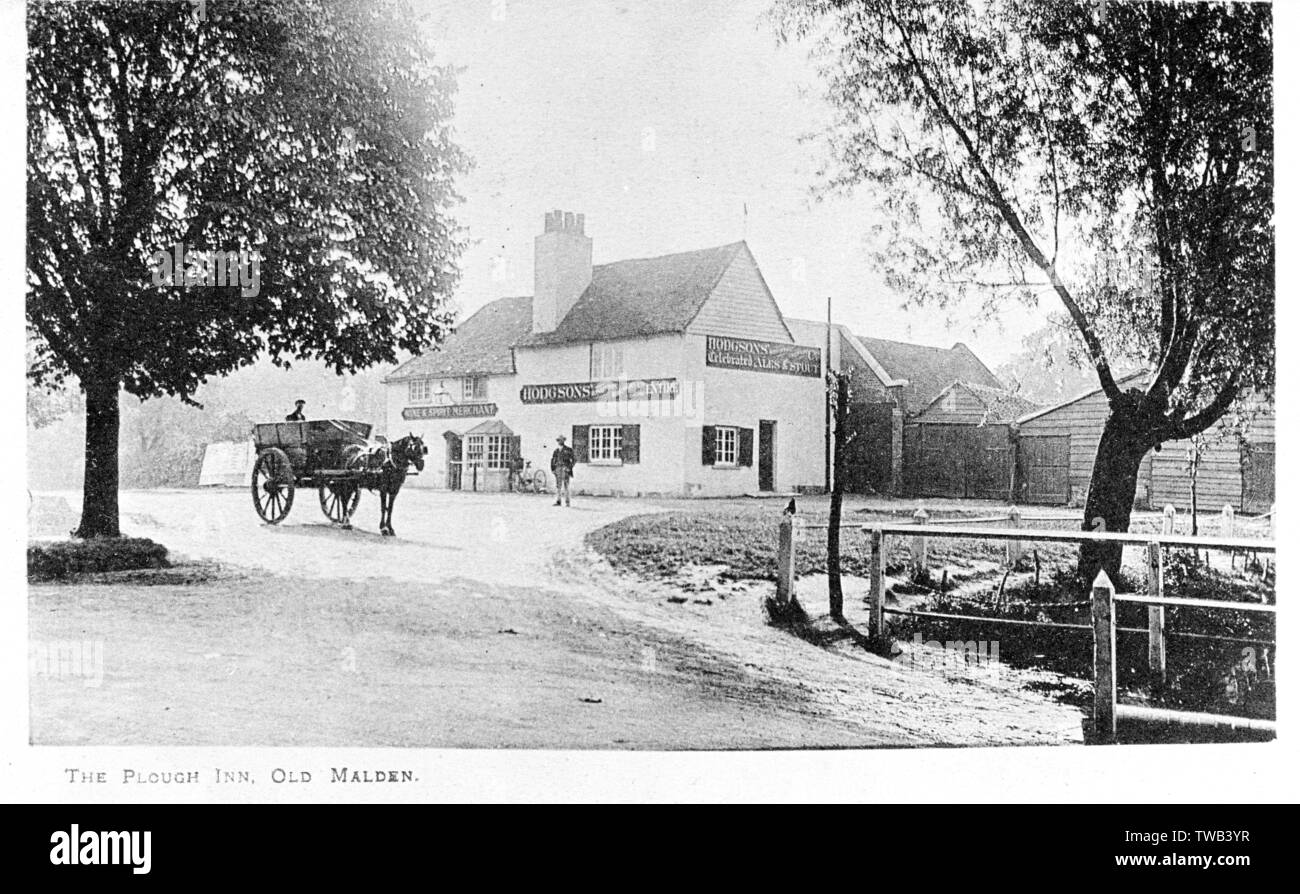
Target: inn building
(674,375)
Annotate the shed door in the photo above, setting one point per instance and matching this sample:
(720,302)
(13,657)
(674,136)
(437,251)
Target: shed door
(1045,468)
(988,462)
(1257,470)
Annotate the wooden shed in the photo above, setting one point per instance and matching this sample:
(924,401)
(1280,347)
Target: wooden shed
(961,444)
(1056,448)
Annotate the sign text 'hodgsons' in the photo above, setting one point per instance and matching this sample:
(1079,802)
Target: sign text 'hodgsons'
(762,356)
(588,392)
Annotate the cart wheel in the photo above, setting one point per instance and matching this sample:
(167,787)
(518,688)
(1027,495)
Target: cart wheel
(338,500)
(539,482)
(272,485)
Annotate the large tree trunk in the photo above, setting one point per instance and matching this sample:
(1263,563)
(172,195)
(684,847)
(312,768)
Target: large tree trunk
(99,516)
(1125,440)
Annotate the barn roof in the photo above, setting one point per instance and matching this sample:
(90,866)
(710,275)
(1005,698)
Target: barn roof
(1131,378)
(645,296)
(480,345)
(1000,405)
(929,370)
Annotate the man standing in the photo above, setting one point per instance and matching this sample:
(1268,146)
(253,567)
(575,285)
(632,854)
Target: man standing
(297,415)
(562,461)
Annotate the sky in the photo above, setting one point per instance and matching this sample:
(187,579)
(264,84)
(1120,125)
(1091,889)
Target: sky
(663,121)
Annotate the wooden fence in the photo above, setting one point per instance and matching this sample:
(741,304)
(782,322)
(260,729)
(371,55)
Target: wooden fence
(1107,710)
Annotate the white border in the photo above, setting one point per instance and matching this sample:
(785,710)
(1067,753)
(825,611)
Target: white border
(1253,773)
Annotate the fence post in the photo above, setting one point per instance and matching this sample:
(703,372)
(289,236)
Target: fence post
(1013,546)
(919,557)
(1103,659)
(1156,613)
(1229,526)
(785,561)
(1167,526)
(876,625)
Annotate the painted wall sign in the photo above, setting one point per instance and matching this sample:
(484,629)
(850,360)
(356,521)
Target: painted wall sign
(450,411)
(762,356)
(589,392)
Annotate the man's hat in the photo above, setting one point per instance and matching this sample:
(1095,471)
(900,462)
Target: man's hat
(560,439)
(299,402)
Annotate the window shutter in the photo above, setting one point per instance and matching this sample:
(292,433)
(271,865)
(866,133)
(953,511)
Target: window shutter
(580,454)
(745,447)
(631,444)
(516,447)
(710,445)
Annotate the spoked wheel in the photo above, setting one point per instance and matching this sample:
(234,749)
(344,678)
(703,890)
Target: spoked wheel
(539,482)
(338,500)
(272,485)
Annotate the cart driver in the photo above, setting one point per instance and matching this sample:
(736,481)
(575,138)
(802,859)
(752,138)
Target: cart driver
(297,415)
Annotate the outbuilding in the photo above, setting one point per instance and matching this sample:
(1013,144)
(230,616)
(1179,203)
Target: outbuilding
(1057,447)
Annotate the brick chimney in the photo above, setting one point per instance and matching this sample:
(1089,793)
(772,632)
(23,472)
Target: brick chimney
(561,268)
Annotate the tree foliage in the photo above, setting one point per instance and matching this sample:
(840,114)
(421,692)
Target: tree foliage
(1118,155)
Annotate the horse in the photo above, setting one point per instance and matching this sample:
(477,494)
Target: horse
(389,464)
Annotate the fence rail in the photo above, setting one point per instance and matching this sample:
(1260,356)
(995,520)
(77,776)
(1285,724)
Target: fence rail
(1106,709)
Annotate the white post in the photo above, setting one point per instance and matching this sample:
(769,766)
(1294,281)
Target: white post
(1156,614)
(919,562)
(1229,529)
(1167,526)
(785,561)
(876,625)
(1103,659)
(1013,546)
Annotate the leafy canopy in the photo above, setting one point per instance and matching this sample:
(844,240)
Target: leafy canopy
(1118,155)
(314,132)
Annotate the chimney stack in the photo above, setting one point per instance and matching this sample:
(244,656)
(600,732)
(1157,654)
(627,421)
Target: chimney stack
(561,268)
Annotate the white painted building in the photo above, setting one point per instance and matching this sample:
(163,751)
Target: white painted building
(672,375)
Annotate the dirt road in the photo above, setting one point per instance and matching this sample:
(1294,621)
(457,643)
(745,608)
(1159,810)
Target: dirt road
(484,624)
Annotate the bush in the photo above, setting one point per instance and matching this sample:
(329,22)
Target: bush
(62,559)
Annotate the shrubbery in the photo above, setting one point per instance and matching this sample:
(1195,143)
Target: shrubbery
(64,558)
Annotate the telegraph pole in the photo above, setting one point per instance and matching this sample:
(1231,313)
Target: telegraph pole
(828,394)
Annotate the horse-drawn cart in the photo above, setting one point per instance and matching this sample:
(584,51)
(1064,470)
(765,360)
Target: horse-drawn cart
(322,454)
(336,457)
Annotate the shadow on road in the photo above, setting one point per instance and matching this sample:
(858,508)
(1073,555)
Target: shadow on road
(334,532)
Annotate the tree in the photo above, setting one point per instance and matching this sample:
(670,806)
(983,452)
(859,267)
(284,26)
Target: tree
(840,393)
(1042,140)
(1051,366)
(305,143)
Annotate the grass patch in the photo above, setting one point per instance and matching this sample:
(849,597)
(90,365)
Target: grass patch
(68,558)
(744,539)
(1233,677)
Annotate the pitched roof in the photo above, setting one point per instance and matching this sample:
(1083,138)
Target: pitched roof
(1135,378)
(480,345)
(813,332)
(929,370)
(1000,405)
(646,296)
